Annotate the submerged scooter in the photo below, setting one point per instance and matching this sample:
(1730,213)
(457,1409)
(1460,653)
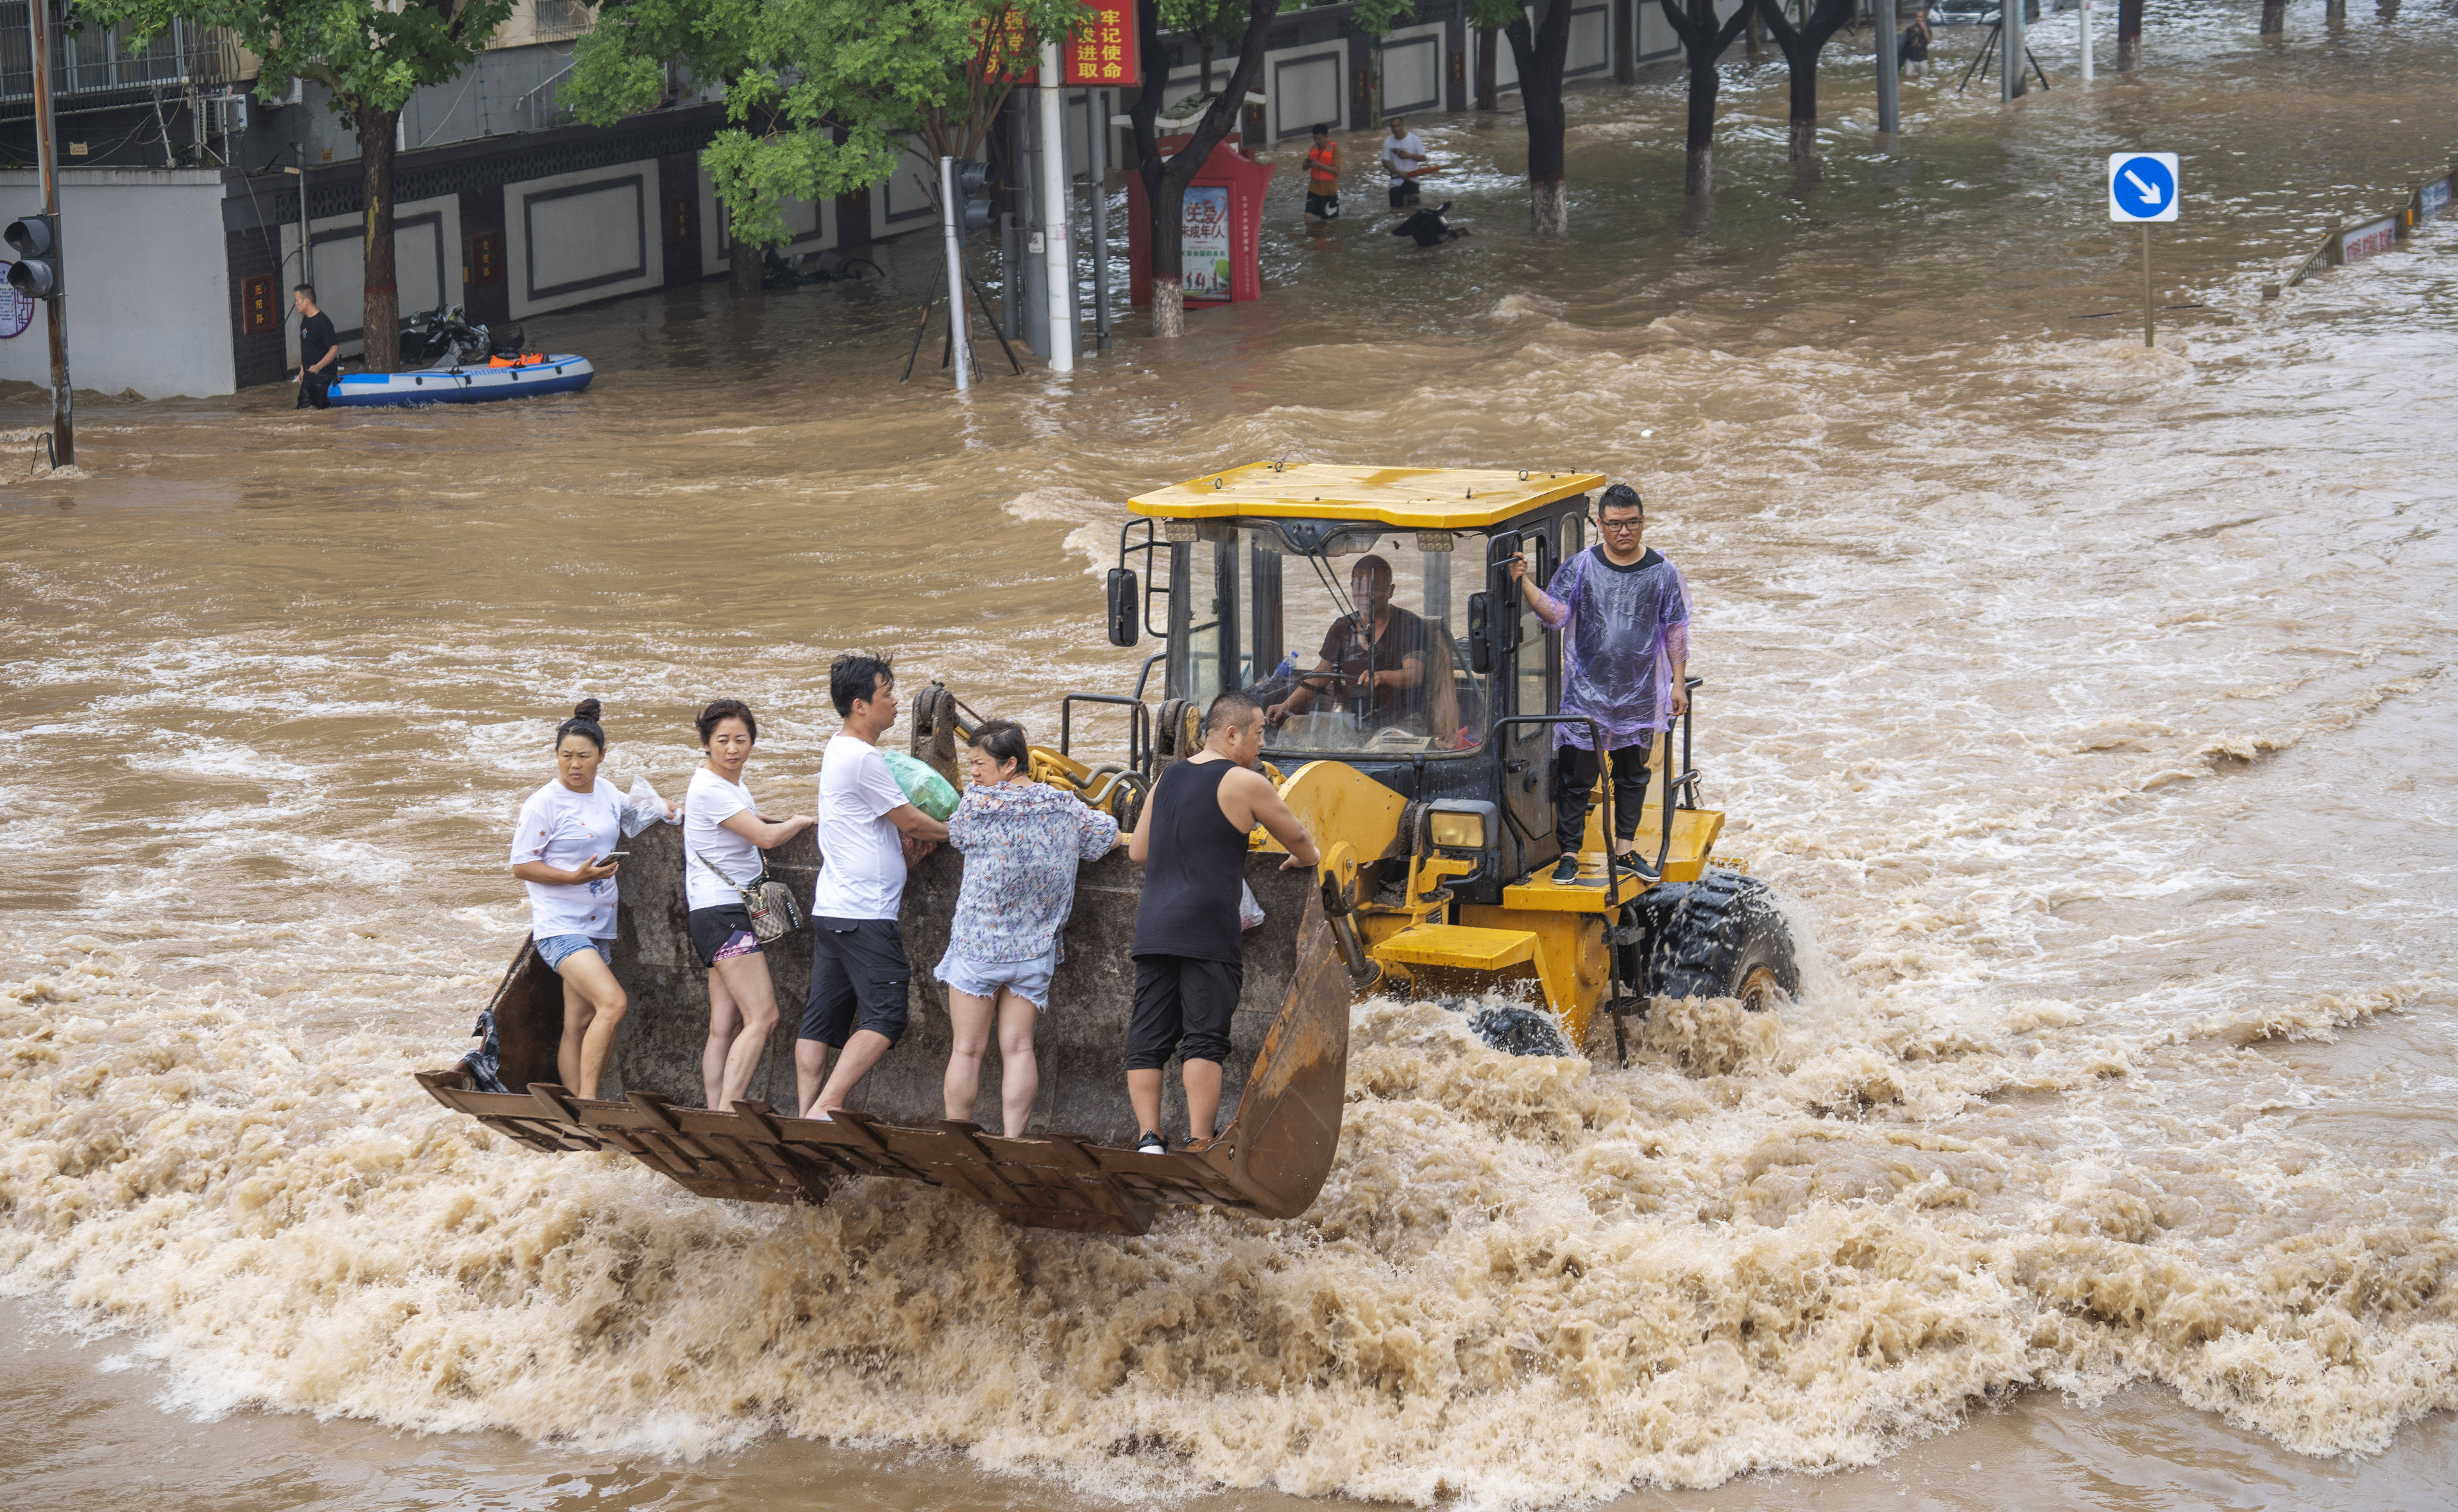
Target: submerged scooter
(463,363)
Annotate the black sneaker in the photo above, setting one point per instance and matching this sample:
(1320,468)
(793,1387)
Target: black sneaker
(1633,865)
(1566,871)
(1151,1144)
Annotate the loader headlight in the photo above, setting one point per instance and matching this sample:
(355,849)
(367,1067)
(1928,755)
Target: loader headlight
(1459,826)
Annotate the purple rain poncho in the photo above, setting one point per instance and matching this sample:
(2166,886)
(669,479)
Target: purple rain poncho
(1624,631)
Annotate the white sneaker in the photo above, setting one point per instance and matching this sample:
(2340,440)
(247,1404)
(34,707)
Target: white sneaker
(1151,1144)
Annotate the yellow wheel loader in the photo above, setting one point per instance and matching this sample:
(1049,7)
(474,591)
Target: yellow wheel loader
(1429,791)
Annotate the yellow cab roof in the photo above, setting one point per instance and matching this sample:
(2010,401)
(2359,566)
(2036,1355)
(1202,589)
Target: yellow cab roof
(1405,498)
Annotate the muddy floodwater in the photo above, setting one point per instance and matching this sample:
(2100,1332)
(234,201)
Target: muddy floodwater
(2089,704)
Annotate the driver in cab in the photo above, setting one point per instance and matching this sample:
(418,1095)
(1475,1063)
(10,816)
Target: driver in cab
(1373,659)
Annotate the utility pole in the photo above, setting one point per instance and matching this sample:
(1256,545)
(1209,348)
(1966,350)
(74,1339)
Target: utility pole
(56,309)
(2011,85)
(1097,167)
(2085,24)
(1890,91)
(956,333)
(1058,283)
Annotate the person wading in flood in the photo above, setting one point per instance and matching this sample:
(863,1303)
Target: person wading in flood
(320,355)
(1322,177)
(1624,615)
(1404,163)
(724,834)
(1189,948)
(870,834)
(563,849)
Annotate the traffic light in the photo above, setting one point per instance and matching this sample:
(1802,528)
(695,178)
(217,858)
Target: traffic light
(36,272)
(973,196)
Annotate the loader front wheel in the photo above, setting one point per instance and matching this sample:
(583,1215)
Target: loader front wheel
(1719,937)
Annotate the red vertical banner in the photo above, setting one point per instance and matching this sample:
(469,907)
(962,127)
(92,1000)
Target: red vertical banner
(1008,52)
(1102,52)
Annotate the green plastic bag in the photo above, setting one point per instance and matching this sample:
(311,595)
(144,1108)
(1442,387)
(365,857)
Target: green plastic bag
(923,784)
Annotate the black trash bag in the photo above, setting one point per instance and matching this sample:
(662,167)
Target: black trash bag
(484,1065)
(1427,228)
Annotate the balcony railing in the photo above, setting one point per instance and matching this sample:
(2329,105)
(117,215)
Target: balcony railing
(89,61)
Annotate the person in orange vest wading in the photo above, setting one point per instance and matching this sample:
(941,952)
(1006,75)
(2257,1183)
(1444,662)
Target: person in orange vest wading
(1322,177)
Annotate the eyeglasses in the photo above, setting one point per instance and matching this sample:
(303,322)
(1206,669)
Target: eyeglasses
(1622,525)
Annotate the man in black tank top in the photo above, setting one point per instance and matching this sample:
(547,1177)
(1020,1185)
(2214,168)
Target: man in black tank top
(1189,950)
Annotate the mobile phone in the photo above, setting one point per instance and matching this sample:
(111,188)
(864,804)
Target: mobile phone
(613,856)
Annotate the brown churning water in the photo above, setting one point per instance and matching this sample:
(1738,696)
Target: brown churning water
(2082,699)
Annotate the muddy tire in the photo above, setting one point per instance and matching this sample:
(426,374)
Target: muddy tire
(1519,1031)
(1719,937)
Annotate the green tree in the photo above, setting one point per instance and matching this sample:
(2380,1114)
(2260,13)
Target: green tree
(820,94)
(371,55)
(1165,178)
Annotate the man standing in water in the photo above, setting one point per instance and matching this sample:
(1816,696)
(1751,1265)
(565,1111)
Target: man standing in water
(1189,947)
(320,355)
(1404,162)
(859,969)
(1322,177)
(1624,615)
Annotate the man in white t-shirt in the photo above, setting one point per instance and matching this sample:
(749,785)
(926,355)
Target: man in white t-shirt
(1403,158)
(859,970)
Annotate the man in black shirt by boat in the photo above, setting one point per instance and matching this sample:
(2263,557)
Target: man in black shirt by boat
(1190,945)
(320,353)
(1373,660)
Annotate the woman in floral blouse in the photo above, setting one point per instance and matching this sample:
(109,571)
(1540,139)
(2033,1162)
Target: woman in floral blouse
(1021,841)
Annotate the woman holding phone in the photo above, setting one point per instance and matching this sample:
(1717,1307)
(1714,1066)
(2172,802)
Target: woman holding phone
(564,850)
(724,834)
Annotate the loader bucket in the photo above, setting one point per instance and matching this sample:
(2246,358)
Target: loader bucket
(1076,1168)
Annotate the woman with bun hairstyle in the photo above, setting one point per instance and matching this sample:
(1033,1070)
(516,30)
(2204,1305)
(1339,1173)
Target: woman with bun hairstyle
(724,834)
(567,829)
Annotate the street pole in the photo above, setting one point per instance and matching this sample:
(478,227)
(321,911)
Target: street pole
(55,309)
(2148,319)
(1058,284)
(1889,92)
(2086,41)
(1097,162)
(956,333)
(2011,85)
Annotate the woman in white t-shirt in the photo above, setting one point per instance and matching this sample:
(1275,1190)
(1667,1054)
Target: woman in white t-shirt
(724,834)
(568,830)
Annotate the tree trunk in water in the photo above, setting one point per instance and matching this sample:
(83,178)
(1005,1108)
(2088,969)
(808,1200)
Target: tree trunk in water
(2274,17)
(1487,39)
(2335,13)
(379,326)
(1549,212)
(1699,180)
(1625,24)
(1165,239)
(745,271)
(2128,36)
(1801,65)
(1756,34)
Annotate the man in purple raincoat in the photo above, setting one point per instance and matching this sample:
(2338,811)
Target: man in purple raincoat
(1624,615)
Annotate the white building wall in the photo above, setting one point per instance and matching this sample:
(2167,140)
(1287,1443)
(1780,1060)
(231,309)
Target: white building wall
(577,237)
(148,284)
(427,267)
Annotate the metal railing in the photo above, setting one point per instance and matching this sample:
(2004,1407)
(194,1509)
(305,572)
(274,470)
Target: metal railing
(89,60)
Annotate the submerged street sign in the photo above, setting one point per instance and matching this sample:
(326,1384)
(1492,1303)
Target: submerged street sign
(2142,186)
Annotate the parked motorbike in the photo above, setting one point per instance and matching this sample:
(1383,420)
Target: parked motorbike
(445,338)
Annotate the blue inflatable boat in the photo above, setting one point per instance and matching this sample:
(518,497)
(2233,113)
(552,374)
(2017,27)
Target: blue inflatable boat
(563,374)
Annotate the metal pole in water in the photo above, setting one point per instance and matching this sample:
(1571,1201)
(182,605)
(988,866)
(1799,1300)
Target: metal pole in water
(1890,93)
(1097,166)
(2010,38)
(1059,286)
(55,311)
(956,332)
(2149,318)
(2086,41)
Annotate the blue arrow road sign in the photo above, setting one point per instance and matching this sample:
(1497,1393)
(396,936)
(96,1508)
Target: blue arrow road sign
(2142,186)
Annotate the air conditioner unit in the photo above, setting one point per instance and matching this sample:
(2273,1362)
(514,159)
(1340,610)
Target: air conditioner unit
(231,114)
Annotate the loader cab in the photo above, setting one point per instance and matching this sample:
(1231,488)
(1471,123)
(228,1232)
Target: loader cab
(1267,578)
